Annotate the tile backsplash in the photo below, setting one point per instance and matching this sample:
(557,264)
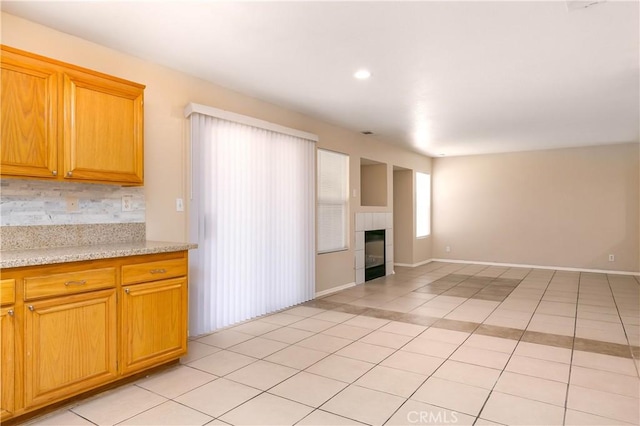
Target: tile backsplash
(32,202)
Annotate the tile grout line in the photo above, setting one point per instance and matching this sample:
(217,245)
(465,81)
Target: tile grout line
(473,332)
(261,392)
(395,351)
(514,350)
(304,370)
(573,345)
(437,319)
(624,329)
(477,416)
(353,383)
(441,363)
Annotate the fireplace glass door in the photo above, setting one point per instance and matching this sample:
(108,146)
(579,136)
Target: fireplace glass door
(374,254)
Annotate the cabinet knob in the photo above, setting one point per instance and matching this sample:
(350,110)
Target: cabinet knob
(69,174)
(54,172)
(31,307)
(126,290)
(10,312)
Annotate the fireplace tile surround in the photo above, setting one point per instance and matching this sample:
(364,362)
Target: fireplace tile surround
(372,222)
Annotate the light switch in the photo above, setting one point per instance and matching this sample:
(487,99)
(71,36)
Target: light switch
(179,205)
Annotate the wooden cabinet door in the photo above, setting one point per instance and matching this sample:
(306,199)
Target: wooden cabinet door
(29,136)
(103,129)
(70,345)
(154,323)
(7,371)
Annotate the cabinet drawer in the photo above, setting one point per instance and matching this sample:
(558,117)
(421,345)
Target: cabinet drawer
(69,283)
(152,271)
(7,292)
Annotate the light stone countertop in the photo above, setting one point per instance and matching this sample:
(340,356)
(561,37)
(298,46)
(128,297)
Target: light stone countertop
(51,255)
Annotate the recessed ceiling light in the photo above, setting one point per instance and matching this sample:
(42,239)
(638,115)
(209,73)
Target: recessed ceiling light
(441,154)
(362,74)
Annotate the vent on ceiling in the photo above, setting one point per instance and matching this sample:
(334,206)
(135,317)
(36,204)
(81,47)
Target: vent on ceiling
(582,4)
(366,132)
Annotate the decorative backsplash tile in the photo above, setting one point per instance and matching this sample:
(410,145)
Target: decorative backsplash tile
(32,202)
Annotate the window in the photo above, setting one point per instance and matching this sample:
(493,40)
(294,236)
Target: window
(423,205)
(333,200)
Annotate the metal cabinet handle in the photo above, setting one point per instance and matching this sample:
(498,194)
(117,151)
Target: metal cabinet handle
(31,308)
(54,172)
(158,271)
(10,312)
(126,290)
(69,174)
(80,282)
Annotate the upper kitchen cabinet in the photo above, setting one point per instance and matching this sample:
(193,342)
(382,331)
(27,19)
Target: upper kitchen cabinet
(103,131)
(64,122)
(29,116)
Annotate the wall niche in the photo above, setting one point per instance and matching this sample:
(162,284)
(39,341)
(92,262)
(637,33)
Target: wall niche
(373,183)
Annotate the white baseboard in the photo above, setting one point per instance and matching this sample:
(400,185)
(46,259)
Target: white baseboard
(335,289)
(519,265)
(413,265)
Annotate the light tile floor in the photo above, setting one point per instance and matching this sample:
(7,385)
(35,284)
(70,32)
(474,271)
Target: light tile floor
(438,344)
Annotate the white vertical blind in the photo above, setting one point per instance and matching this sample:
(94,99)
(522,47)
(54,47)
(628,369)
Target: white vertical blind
(252,215)
(333,200)
(423,204)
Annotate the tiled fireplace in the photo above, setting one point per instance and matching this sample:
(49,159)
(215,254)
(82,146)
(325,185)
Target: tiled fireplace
(372,222)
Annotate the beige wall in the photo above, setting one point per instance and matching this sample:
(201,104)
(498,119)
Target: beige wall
(422,249)
(373,185)
(403,211)
(408,249)
(567,207)
(166,133)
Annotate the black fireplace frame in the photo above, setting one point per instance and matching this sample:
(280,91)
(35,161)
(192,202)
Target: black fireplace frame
(377,271)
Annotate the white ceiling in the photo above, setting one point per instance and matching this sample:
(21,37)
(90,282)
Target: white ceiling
(448,78)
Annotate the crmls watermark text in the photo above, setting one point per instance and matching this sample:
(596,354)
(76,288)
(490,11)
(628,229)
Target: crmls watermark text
(430,417)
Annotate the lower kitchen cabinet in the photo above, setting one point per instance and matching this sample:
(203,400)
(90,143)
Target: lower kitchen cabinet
(70,345)
(154,318)
(73,327)
(7,363)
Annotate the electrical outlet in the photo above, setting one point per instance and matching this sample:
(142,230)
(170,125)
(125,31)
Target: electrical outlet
(179,205)
(612,258)
(127,203)
(72,204)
